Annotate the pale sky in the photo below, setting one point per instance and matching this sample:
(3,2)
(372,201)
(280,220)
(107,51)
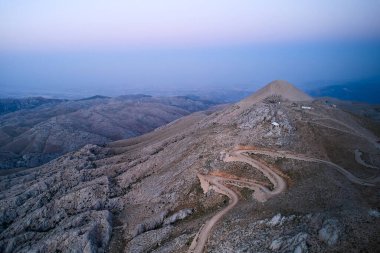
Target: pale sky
(170,43)
(73,24)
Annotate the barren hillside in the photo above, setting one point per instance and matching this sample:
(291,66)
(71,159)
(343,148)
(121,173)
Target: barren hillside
(289,174)
(31,137)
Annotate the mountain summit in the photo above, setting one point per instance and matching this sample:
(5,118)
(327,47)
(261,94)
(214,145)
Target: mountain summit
(276,90)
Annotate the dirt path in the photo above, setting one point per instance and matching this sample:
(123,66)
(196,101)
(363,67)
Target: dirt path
(218,183)
(358,131)
(200,239)
(359,160)
(334,128)
(348,175)
(261,192)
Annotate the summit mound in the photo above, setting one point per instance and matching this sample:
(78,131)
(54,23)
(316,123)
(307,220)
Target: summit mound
(276,91)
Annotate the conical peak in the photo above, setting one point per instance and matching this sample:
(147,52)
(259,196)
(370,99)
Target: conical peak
(281,88)
(279,84)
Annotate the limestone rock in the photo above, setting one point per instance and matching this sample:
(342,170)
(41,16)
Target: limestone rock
(180,215)
(330,232)
(149,240)
(296,244)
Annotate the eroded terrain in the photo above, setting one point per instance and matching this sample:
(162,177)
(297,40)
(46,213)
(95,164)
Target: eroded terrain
(298,186)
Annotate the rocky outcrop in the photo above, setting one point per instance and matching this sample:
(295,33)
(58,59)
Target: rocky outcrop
(296,243)
(149,240)
(268,121)
(330,232)
(151,223)
(180,215)
(64,208)
(161,220)
(374,213)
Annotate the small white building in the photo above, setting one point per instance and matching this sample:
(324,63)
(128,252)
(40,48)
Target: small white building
(306,107)
(275,124)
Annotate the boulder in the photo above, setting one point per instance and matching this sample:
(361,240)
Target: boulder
(180,215)
(330,232)
(296,244)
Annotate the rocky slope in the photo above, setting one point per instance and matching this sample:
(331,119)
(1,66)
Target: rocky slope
(32,137)
(144,194)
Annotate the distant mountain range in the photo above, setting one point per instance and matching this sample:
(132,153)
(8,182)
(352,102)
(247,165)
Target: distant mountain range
(360,91)
(14,104)
(35,130)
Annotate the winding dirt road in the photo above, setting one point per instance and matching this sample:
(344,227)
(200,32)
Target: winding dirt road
(348,175)
(218,183)
(359,160)
(358,130)
(261,192)
(200,239)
